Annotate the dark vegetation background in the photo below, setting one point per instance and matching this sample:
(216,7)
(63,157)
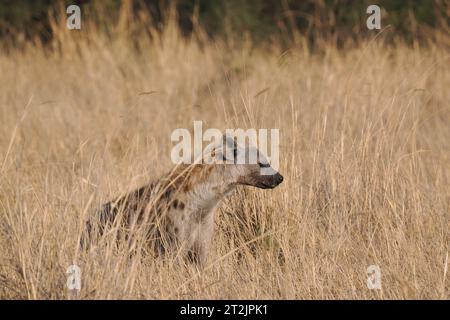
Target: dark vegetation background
(338,20)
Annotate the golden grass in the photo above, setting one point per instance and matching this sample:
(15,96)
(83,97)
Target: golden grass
(365,152)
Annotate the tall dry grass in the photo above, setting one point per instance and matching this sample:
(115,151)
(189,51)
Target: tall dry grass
(365,151)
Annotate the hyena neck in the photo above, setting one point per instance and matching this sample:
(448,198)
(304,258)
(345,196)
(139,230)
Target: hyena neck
(209,187)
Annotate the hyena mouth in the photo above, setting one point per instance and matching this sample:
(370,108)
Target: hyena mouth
(269,182)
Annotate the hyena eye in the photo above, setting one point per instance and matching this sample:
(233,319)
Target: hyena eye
(263,165)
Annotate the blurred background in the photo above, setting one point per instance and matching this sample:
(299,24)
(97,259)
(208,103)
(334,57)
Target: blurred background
(338,20)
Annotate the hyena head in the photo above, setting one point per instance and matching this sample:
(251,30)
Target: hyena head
(246,165)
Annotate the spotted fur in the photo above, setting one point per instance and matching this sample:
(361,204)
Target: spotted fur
(177,211)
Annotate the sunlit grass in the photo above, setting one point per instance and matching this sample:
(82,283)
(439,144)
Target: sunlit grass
(365,152)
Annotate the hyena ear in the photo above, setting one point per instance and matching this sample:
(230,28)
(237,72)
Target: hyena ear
(229,150)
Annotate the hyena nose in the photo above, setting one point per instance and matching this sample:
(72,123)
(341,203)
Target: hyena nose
(279,178)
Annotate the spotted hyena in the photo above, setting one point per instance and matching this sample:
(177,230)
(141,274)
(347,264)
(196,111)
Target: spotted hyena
(177,211)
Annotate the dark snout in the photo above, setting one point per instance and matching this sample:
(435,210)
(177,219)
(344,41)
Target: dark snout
(270,181)
(278,179)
